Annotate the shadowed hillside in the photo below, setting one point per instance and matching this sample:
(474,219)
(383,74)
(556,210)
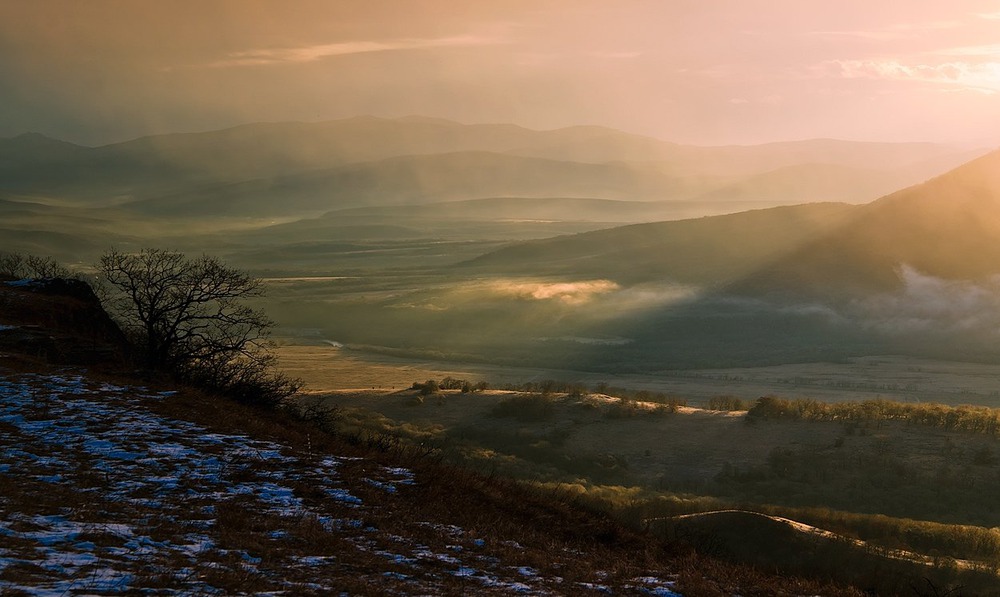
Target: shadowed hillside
(708,251)
(947,228)
(912,273)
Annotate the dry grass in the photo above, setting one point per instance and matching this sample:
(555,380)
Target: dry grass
(418,527)
(906,379)
(627,458)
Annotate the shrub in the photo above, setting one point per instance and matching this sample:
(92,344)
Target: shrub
(726,403)
(427,388)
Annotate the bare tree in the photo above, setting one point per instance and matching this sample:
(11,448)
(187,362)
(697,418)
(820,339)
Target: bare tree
(12,265)
(16,265)
(189,317)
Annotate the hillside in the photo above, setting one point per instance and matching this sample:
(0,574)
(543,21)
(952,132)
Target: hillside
(855,496)
(807,182)
(188,190)
(113,484)
(948,228)
(710,250)
(151,165)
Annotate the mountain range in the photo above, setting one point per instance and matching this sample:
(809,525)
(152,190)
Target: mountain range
(366,178)
(366,160)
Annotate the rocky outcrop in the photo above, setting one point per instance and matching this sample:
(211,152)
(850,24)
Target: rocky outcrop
(58,320)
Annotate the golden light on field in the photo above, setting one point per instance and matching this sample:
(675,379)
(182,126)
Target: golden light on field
(570,293)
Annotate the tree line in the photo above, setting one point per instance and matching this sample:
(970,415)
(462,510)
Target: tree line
(973,419)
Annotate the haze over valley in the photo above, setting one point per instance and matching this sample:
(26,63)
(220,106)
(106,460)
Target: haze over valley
(728,275)
(429,238)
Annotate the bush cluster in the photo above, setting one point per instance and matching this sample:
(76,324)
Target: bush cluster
(973,419)
(432,386)
(727,403)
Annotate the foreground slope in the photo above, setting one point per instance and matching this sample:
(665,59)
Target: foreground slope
(106,487)
(113,485)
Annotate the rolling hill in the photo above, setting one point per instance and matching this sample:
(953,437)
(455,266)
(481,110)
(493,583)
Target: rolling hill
(813,182)
(703,251)
(948,227)
(544,209)
(150,165)
(419,179)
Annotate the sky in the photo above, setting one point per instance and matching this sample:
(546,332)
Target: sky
(705,72)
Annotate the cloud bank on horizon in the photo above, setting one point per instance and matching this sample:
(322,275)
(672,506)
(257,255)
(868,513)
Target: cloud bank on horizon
(701,73)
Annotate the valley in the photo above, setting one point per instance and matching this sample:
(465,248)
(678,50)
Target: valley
(326,368)
(621,322)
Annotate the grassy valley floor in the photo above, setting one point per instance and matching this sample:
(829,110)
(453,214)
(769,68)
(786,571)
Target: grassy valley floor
(882,502)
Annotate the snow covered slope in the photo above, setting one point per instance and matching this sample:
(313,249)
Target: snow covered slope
(104,495)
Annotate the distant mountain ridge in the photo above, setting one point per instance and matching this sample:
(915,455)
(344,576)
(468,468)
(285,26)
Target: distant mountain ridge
(421,179)
(170,164)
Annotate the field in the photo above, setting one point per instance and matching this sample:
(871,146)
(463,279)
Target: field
(892,501)
(905,379)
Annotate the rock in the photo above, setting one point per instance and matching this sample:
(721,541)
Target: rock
(59,320)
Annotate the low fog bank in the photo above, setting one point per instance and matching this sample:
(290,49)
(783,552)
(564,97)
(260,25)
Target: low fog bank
(601,325)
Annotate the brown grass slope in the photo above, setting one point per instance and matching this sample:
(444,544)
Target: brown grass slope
(762,540)
(77,517)
(60,321)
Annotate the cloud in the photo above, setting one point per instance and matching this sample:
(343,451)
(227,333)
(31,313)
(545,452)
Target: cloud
(883,35)
(990,16)
(616,55)
(300,54)
(987,51)
(650,296)
(983,77)
(609,297)
(929,304)
(892,32)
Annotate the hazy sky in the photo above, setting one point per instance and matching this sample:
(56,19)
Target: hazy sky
(691,71)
